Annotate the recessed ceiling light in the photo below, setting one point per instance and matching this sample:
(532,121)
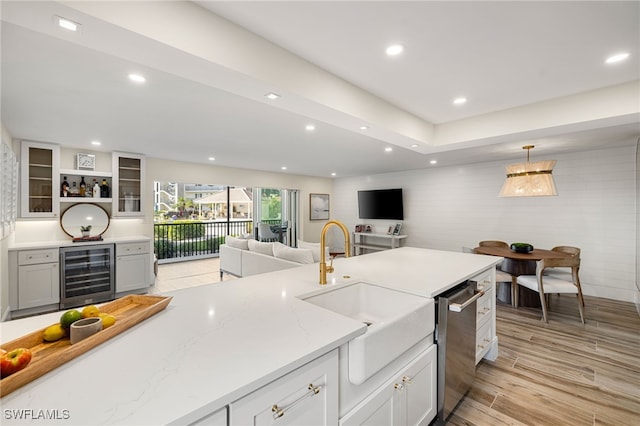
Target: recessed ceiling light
(212,158)
(310,127)
(415,145)
(433,162)
(388,149)
(394,49)
(272,95)
(67,24)
(460,101)
(96,143)
(364,127)
(617,58)
(137,78)
(333,173)
(283,167)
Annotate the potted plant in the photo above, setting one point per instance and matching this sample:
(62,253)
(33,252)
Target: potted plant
(85,230)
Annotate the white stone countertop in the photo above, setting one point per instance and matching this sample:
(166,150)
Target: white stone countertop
(216,343)
(70,243)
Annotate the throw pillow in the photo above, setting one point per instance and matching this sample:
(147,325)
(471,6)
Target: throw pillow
(293,254)
(238,243)
(260,247)
(315,250)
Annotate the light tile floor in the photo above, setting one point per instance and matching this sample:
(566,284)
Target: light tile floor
(192,273)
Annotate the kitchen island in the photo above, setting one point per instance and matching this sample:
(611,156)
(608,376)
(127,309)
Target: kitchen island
(215,344)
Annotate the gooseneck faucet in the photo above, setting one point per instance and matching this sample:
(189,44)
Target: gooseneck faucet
(324,268)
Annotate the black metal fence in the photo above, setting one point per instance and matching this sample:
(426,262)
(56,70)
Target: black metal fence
(194,238)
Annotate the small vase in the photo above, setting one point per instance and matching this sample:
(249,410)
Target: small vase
(85,233)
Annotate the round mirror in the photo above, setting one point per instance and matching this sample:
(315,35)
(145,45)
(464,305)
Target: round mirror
(81,216)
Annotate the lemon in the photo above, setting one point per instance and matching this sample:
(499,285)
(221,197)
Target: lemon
(69,317)
(54,332)
(107,320)
(90,311)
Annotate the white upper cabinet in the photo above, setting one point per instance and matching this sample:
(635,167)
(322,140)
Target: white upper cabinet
(39,180)
(128,184)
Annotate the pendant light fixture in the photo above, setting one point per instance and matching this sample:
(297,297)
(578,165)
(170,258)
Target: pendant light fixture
(529,179)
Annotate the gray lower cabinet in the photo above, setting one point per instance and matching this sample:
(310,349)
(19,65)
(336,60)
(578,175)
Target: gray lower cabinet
(34,280)
(133,266)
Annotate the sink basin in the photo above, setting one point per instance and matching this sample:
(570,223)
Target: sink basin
(396,321)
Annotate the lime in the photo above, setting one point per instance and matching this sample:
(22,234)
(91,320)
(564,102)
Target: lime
(53,333)
(90,311)
(69,317)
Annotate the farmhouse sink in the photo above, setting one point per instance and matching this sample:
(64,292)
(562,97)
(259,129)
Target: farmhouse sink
(396,321)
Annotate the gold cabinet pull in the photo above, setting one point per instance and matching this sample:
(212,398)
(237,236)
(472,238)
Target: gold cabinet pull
(279,411)
(406,380)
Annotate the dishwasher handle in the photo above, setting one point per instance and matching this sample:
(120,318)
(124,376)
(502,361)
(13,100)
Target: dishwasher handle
(459,307)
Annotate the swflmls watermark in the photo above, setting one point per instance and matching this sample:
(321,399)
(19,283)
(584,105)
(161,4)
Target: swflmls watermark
(31,414)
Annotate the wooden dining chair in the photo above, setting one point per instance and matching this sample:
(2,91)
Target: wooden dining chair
(501,276)
(548,284)
(565,273)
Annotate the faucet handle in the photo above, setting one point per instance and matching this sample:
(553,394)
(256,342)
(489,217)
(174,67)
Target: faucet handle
(330,267)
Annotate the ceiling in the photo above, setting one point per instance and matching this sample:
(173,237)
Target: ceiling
(533,72)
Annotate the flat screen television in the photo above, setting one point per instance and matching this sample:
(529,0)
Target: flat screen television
(381,204)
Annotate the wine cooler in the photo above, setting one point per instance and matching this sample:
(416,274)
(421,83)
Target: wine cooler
(87,275)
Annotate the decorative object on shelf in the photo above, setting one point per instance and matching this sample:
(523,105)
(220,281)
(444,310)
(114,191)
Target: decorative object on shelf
(390,230)
(75,218)
(96,189)
(398,227)
(86,161)
(85,230)
(529,179)
(104,189)
(363,227)
(83,187)
(521,247)
(318,206)
(64,188)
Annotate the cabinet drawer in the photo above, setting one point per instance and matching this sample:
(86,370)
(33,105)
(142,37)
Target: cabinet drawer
(483,340)
(483,309)
(34,257)
(483,280)
(131,248)
(306,396)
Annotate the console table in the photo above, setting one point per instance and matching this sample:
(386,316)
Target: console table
(369,241)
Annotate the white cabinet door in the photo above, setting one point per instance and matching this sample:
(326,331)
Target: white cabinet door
(378,409)
(128,191)
(306,396)
(408,398)
(132,272)
(419,380)
(38,285)
(39,179)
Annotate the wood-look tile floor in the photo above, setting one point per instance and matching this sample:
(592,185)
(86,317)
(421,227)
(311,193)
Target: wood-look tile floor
(562,373)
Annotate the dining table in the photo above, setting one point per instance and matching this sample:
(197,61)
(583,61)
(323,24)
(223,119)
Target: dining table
(516,264)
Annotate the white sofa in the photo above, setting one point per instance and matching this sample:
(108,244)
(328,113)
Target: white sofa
(242,258)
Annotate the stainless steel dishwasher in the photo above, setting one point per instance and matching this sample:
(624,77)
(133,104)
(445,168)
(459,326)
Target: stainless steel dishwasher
(456,339)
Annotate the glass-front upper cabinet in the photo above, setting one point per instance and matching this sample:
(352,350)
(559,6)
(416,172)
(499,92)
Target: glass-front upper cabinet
(128,184)
(39,180)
